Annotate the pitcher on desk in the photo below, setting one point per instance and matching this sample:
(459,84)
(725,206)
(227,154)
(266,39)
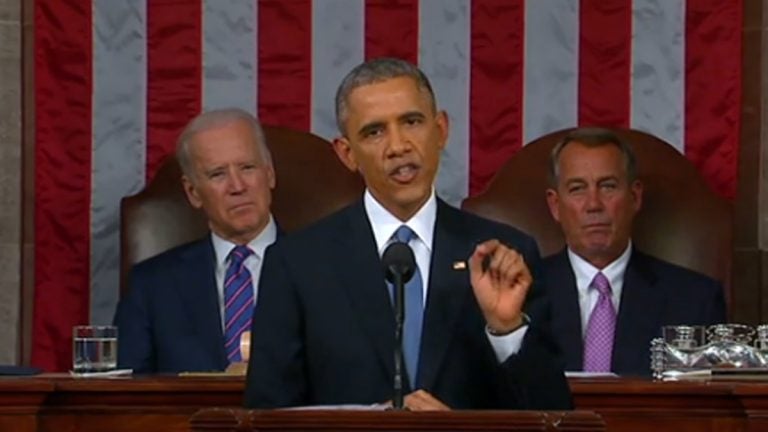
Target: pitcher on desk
(187,308)
(608,298)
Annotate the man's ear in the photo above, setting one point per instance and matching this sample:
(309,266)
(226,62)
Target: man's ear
(344,152)
(192,196)
(443,124)
(553,201)
(271,178)
(637,194)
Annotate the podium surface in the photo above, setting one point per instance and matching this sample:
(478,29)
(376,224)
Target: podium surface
(166,403)
(241,420)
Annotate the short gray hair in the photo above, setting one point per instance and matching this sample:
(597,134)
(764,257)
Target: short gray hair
(375,71)
(592,137)
(214,119)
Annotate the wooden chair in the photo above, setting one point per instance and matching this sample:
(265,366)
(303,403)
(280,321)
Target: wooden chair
(681,221)
(311,183)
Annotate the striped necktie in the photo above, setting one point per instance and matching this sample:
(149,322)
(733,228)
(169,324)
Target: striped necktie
(238,301)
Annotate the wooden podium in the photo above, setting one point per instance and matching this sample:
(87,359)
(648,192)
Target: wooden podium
(166,403)
(242,420)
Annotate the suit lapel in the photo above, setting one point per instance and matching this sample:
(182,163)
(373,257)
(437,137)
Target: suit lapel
(447,291)
(362,277)
(642,302)
(197,289)
(564,297)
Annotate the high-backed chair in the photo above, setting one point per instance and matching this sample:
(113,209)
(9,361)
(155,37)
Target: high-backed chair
(311,183)
(681,220)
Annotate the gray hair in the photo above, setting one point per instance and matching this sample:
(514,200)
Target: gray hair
(212,120)
(592,137)
(375,71)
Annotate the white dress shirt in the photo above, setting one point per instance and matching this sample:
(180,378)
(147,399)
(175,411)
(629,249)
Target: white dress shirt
(585,273)
(258,245)
(384,224)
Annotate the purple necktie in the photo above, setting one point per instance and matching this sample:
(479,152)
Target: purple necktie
(598,342)
(238,301)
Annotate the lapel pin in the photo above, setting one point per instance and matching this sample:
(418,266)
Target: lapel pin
(459,265)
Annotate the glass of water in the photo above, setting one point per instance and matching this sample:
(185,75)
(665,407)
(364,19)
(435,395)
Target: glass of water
(94,348)
(683,337)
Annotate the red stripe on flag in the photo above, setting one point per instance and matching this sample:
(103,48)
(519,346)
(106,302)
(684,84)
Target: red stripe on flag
(62,178)
(496,87)
(713,90)
(392,29)
(605,44)
(174,74)
(285,62)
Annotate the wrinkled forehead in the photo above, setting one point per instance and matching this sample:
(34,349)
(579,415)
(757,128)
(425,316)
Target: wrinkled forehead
(404,81)
(225,140)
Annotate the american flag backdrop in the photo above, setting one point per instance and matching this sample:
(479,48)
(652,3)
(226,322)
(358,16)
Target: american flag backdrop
(115,81)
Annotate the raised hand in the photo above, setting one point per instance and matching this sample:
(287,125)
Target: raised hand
(500,281)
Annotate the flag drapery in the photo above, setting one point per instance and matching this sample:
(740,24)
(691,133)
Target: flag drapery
(115,81)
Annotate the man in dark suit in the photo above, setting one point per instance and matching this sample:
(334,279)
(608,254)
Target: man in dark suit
(325,300)
(609,299)
(187,308)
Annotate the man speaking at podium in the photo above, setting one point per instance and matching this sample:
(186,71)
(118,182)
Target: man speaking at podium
(323,295)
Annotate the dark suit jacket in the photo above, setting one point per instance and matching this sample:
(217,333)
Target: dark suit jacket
(655,293)
(323,297)
(169,321)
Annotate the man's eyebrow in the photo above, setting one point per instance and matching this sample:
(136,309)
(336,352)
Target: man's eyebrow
(613,177)
(572,180)
(411,114)
(369,127)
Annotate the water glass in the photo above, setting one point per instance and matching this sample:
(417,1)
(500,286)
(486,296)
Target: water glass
(94,348)
(738,333)
(683,336)
(761,341)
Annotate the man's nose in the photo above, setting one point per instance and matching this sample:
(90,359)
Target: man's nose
(399,142)
(236,182)
(594,200)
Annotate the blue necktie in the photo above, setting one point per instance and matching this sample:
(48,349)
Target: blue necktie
(238,301)
(414,312)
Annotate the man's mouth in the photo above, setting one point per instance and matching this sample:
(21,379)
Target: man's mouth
(241,206)
(597,226)
(404,173)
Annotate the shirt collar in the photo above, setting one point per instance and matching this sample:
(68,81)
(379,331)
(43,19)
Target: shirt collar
(258,245)
(384,223)
(585,272)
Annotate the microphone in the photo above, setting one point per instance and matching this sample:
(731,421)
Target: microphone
(398,260)
(399,266)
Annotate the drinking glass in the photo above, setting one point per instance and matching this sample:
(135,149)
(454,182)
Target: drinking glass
(94,348)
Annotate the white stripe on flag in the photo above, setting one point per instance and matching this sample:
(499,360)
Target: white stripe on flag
(551,64)
(444,56)
(658,69)
(229,54)
(119,138)
(338,45)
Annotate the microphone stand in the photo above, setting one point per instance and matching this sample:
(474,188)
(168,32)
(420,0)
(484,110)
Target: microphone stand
(399,266)
(397,399)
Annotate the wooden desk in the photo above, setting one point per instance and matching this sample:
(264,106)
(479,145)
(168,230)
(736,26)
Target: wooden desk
(240,420)
(641,405)
(754,400)
(146,404)
(20,402)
